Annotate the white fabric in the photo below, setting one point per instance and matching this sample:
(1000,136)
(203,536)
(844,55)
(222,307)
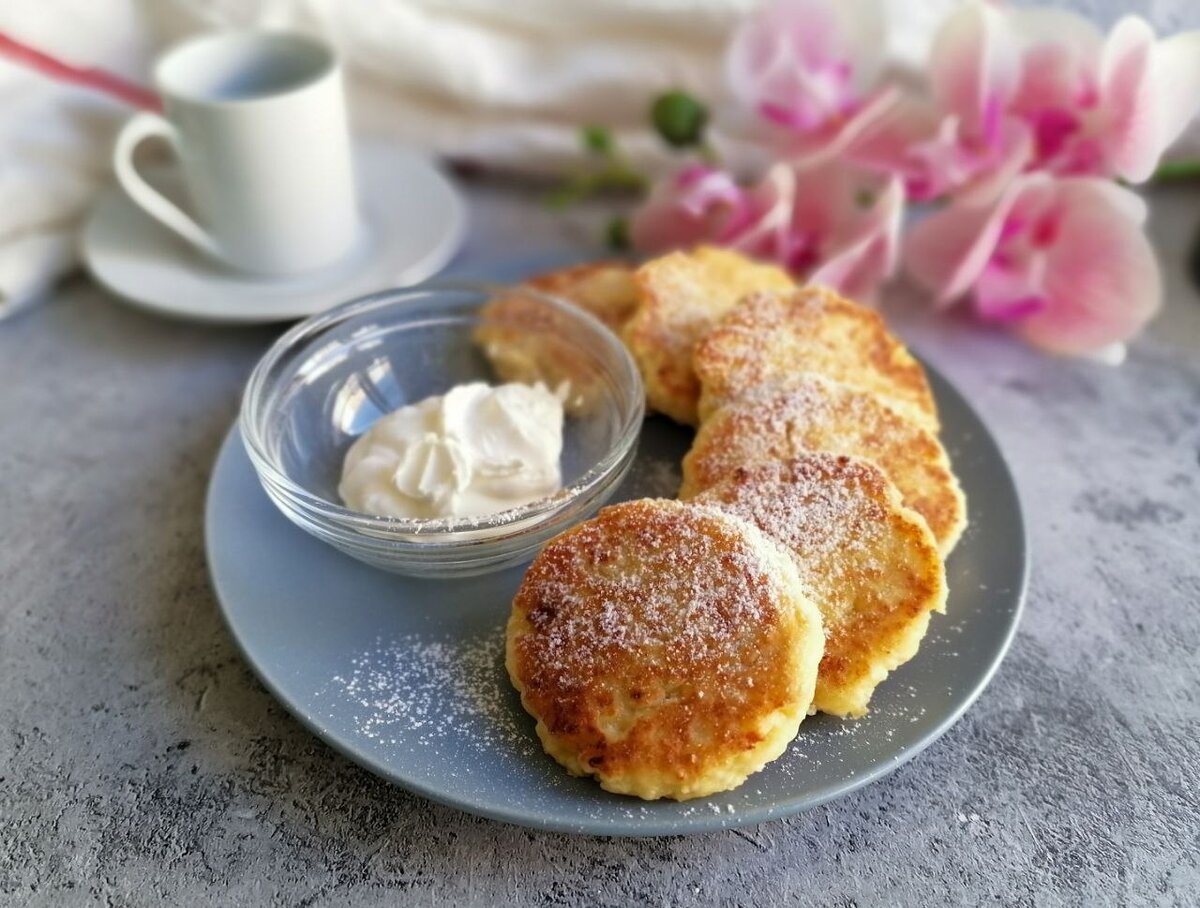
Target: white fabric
(54,139)
(506,83)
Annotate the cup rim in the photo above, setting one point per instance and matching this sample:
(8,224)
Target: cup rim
(448,532)
(170,85)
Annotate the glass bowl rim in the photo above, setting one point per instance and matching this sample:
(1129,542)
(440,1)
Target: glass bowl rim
(446,530)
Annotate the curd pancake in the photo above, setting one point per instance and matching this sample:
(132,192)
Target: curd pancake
(682,295)
(809,413)
(668,650)
(605,289)
(870,564)
(526,340)
(768,337)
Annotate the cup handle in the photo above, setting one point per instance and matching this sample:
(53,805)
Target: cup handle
(144,126)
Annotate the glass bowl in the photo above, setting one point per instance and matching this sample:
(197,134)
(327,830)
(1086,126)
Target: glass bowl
(324,382)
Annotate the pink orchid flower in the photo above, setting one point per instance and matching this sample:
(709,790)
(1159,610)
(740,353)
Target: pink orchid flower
(1035,89)
(1094,105)
(809,68)
(824,222)
(936,155)
(953,140)
(700,204)
(1063,260)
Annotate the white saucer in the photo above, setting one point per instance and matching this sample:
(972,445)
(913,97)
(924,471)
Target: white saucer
(415,222)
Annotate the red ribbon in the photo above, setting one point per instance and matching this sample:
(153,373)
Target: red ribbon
(87,77)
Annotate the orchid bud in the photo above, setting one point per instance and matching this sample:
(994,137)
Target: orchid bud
(680,119)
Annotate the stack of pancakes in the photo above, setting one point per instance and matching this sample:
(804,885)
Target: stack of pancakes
(672,648)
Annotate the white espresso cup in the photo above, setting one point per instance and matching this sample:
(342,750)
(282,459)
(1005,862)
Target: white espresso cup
(258,121)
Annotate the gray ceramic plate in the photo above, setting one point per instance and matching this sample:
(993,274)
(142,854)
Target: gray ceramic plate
(406,676)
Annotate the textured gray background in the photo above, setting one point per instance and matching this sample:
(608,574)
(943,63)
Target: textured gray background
(140,762)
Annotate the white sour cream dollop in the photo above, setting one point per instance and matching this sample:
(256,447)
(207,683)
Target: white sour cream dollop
(473,451)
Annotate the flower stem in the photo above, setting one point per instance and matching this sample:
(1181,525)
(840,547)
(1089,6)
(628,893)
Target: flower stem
(1193,263)
(1175,171)
(584,186)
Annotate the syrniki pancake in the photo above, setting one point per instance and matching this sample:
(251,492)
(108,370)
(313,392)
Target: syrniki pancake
(666,649)
(809,413)
(527,340)
(605,289)
(768,337)
(870,563)
(682,295)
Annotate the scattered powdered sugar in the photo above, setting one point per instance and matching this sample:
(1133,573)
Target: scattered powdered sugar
(451,696)
(873,572)
(684,294)
(832,512)
(676,584)
(653,478)
(811,413)
(767,335)
(805,412)
(434,689)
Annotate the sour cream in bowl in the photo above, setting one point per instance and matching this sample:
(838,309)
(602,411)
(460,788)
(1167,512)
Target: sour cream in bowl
(382,428)
(473,451)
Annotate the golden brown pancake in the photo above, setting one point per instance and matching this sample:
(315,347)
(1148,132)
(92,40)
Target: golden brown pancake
(768,337)
(682,295)
(666,649)
(528,341)
(808,413)
(605,289)
(870,564)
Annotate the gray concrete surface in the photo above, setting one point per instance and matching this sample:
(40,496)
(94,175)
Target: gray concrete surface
(142,764)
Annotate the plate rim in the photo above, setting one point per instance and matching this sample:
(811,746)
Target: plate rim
(647,826)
